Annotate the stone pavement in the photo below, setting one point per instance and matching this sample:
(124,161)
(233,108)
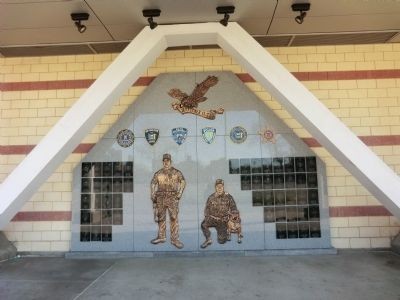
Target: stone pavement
(347,275)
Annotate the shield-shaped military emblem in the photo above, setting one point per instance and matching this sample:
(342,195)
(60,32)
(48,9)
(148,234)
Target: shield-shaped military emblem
(208,134)
(151,135)
(179,134)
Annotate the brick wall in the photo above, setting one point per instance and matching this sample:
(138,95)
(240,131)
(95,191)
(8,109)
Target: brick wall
(360,84)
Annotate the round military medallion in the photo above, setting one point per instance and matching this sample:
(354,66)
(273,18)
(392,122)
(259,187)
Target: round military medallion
(267,135)
(125,138)
(238,134)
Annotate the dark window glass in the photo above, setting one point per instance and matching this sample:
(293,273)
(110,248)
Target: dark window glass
(280,214)
(86,169)
(234,166)
(106,217)
(245,182)
(312,181)
(245,166)
(314,213)
(96,233)
(281,232)
(267,165)
(268,198)
(257,198)
(85,217)
(128,185)
(300,164)
(97,185)
(128,168)
(97,167)
(290,180)
(256,166)
(279,181)
(107,169)
(279,197)
(291,212)
(117,185)
(106,233)
(269,215)
(288,164)
(106,201)
(313,196)
(86,185)
(117,217)
(301,181)
(96,217)
(85,233)
(301,197)
(117,201)
(268,181)
(106,185)
(117,169)
(315,230)
(291,197)
(302,213)
(256,182)
(311,164)
(304,230)
(278,164)
(85,201)
(292,230)
(97,201)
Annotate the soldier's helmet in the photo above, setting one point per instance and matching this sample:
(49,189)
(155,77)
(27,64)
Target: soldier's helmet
(166,156)
(219,181)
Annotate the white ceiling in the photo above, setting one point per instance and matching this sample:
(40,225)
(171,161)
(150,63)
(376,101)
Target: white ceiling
(41,24)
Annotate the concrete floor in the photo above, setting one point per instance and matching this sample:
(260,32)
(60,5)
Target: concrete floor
(348,275)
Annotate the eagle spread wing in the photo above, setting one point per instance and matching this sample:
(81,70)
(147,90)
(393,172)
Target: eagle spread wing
(197,95)
(177,94)
(201,89)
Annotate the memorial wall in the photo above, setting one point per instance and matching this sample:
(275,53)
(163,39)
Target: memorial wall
(199,163)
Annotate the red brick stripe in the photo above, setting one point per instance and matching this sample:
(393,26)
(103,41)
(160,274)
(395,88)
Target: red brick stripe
(358,211)
(25,149)
(60,84)
(245,77)
(379,140)
(42,216)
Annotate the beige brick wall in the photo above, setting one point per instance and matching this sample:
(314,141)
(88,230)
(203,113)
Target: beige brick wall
(368,107)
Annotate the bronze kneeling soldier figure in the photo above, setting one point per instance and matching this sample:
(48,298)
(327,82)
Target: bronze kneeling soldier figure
(219,207)
(167,187)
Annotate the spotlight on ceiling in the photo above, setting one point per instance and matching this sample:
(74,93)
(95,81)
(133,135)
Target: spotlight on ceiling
(150,14)
(225,10)
(302,8)
(78,18)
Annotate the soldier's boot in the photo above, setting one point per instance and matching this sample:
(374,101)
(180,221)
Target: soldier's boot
(206,243)
(177,243)
(158,240)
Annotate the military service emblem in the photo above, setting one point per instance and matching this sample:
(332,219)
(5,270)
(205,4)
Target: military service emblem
(125,138)
(208,134)
(188,103)
(151,135)
(238,134)
(267,135)
(179,134)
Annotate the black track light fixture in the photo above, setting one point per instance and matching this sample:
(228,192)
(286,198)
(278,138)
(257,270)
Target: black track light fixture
(302,8)
(150,14)
(225,10)
(78,18)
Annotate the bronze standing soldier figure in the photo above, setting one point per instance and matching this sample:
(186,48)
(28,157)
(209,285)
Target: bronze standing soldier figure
(167,187)
(216,214)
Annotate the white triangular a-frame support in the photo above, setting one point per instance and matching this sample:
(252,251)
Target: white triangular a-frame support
(40,163)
